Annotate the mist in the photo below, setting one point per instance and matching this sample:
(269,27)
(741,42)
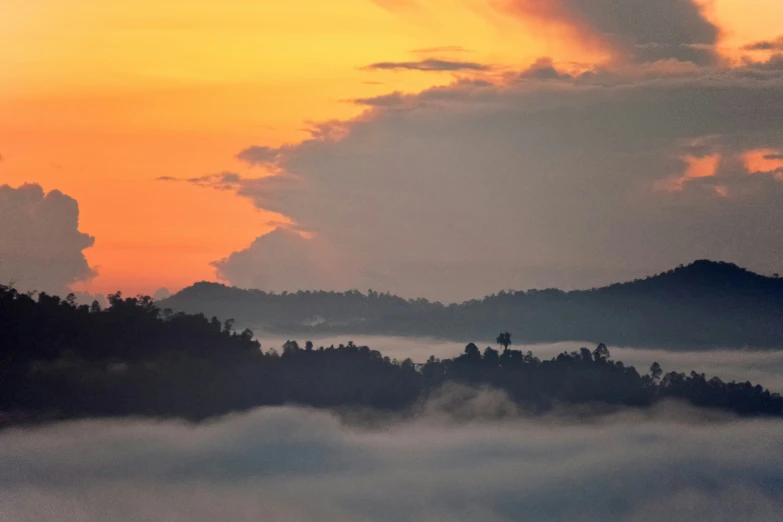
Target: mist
(757,366)
(293,464)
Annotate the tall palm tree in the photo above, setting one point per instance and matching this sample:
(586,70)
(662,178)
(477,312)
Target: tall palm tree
(504,340)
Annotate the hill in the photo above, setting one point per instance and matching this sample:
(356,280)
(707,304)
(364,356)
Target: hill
(704,304)
(62,361)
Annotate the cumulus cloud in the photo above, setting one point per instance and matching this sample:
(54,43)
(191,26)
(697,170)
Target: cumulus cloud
(299,465)
(430,64)
(639,30)
(462,190)
(284,259)
(41,247)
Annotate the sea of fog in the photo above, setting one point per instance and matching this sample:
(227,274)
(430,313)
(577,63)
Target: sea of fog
(466,454)
(758,367)
(669,463)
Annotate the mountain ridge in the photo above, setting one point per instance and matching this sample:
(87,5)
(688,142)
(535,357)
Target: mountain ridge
(705,303)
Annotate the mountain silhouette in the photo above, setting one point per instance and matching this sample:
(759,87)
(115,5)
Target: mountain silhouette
(706,304)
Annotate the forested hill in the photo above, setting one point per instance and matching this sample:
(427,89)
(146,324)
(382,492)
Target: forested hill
(704,304)
(59,360)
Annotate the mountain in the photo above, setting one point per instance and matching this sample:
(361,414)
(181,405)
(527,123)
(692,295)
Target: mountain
(705,304)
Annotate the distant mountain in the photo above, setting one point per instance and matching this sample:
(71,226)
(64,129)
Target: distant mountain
(705,304)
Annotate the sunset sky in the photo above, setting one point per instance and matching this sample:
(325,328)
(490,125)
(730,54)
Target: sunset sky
(100,100)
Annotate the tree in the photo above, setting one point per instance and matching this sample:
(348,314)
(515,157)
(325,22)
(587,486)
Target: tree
(290,347)
(309,346)
(472,351)
(656,371)
(601,352)
(491,356)
(504,340)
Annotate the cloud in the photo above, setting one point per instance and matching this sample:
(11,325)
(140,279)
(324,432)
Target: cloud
(461,190)
(41,247)
(430,64)
(773,157)
(640,30)
(258,155)
(766,45)
(300,465)
(283,259)
(544,69)
(386,100)
(267,191)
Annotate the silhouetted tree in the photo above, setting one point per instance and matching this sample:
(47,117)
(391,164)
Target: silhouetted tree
(656,371)
(504,340)
(472,351)
(601,353)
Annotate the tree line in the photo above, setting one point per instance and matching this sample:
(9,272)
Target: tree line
(62,360)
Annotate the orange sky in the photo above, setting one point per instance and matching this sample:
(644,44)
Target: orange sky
(97,99)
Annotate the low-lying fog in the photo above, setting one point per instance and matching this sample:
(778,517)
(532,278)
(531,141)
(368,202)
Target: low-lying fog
(291,465)
(758,367)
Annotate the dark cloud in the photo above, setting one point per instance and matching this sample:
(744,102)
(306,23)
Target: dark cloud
(258,155)
(41,247)
(461,190)
(773,157)
(431,64)
(766,45)
(544,69)
(298,465)
(641,30)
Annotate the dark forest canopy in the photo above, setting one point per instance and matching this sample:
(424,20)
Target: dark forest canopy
(705,304)
(60,360)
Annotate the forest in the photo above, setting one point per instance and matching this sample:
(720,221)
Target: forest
(703,305)
(62,360)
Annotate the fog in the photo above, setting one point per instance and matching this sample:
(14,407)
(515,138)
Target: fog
(758,367)
(290,464)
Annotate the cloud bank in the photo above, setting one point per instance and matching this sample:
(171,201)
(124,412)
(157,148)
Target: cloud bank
(287,464)
(548,179)
(41,247)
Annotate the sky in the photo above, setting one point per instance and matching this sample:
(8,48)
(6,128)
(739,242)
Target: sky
(436,148)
